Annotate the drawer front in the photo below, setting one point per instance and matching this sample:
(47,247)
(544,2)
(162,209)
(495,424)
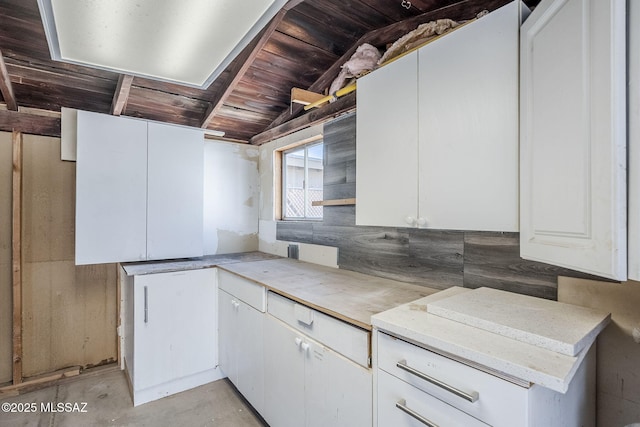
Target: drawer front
(402,405)
(243,289)
(348,340)
(494,401)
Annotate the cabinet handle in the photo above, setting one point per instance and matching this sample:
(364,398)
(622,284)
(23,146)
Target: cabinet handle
(298,341)
(146,305)
(471,397)
(305,347)
(402,405)
(410,220)
(422,221)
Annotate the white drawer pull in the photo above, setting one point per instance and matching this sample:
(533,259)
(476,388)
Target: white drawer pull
(471,397)
(402,405)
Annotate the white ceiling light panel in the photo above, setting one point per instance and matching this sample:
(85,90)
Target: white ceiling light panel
(189,42)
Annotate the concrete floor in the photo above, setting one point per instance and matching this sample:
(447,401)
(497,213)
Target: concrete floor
(108,403)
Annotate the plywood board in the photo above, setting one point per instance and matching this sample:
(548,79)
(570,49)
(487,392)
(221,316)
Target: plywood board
(5,258)
(618,370)
(69,312)
(48,202)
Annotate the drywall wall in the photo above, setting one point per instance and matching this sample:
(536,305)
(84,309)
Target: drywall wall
(618,350)
(69,312)
(231,197)
(6,350)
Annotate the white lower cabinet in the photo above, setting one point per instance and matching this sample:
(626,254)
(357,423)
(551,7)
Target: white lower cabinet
(241,344)
(417,387)
(170,332)
(402,405)
(309,384)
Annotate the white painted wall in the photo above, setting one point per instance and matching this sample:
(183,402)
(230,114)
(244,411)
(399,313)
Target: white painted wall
(317,254)
(231,196)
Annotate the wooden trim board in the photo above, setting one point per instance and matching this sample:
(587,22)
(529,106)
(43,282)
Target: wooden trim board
(16,256)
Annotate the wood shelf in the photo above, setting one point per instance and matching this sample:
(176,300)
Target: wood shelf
(334,202)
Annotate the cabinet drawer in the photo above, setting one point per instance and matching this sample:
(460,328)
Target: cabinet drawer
(348,340)
(496,401)
(395,397)
(249,292)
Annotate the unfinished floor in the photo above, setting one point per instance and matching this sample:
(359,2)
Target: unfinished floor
(108,403)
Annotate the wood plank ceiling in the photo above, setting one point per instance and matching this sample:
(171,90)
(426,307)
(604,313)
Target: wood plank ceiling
(303,46)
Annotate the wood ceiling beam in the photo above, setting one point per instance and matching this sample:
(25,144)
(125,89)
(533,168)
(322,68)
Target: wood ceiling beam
(29,123)
(465,9)
(5,86)
(319,115)
(241,66)
(121,95)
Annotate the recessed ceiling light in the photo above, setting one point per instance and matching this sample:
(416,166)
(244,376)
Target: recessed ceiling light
(189,42)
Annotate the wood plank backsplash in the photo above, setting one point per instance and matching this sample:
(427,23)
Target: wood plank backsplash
(434,258)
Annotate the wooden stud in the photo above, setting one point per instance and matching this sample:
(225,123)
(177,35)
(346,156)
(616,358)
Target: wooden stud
(304,97)
(17,256)
(240,67)
(121,95)
(243,63)
(5,86)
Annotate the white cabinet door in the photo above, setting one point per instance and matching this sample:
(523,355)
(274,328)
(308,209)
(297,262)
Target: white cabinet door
(175,326)
(634,141)
(284,375)
(228,335)
(175,191)
(386,144)
(468,125)
(250,355)
(111,189)
(338,392)
(573,142)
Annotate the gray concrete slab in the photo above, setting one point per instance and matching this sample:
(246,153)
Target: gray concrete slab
(104,400)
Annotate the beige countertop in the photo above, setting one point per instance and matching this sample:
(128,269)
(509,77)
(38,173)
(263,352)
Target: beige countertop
(349,296)
(346,295)
(209,261)
(481,347)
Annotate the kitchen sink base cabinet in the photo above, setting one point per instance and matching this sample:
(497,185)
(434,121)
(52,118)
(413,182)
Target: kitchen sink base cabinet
(405,397)
(314,382)
(170,332)
(241,329)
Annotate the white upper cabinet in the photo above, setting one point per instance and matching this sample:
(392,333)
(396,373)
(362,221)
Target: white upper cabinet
(573,136)
(468,119)
(139,190)
(174,191)
(111,189)
(437,132)
(387,145)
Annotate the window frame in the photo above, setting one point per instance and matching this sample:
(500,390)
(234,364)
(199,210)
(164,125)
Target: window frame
(283,178)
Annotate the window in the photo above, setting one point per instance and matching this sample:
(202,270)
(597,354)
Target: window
(302,170)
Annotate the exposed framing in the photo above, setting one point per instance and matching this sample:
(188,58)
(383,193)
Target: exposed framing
(121,95)
(242,64)
(5,86)
(16,256)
